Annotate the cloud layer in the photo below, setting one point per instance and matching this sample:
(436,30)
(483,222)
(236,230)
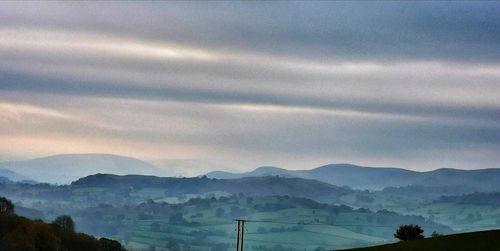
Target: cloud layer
(237,85)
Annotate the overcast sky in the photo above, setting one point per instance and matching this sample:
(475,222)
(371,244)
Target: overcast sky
(236,85)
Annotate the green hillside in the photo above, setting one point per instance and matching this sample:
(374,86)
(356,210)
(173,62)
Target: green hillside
(474,241)
(273,223)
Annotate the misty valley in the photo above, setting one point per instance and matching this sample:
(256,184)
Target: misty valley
(283,210)
(229,125)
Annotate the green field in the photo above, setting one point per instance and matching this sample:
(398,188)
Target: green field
(274,223)
(462,217)
(309,236)
(145,215)
(474,241)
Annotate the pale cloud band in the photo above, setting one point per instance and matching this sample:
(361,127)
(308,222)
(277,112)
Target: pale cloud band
(165,97)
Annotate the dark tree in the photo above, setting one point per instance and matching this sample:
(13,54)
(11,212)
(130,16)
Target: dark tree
(106,244)
(20,233)
(409,232)
(65,222)
(6,206)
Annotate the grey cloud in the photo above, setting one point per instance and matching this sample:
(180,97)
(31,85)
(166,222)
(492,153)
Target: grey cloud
(16,82)
(251,135)
(409,83)
(352,30)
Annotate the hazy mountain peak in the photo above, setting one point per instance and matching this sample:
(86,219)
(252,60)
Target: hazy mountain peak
(13,176)
(341,165)
(260,171)
(267,169)
(65,168)
(376,178)
(87,157)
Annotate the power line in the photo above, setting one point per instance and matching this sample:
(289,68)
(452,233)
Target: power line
(277,242)
(314,232)
(320,224)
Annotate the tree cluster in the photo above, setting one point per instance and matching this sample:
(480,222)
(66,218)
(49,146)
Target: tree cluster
(409,232)
(21,234)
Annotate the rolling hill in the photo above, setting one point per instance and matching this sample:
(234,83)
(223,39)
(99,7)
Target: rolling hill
(251,186)
(474,241)
(63,169)
(377,178)
(13,176)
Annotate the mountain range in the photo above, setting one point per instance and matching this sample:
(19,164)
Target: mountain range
(64,169)
(377,178)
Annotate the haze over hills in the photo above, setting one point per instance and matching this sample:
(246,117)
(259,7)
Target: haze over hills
(253,186)
(145,210)
(13,176)
(126,208)
(360,177)
(64,169)
(262,125)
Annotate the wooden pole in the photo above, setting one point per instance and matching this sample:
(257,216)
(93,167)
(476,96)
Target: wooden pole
(238,238)
(242,233)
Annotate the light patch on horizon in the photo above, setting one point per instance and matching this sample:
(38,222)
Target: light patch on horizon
(33,146)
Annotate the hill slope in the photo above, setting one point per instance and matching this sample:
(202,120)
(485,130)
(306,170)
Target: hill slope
(360,177)
(260,171)
(475,241)
(66,168)
(252,186)
(13,176)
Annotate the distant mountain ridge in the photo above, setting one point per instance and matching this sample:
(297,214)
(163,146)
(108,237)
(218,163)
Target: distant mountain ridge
(12,176)
(63,169)
(377,178)
(260,171)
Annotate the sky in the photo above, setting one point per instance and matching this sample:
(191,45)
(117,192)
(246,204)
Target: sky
(237,85)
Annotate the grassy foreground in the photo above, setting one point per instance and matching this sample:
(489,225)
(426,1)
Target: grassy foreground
(474,241)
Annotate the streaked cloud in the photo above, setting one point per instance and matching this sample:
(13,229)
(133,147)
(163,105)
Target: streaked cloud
(338,82)
(84,44)
(9,111)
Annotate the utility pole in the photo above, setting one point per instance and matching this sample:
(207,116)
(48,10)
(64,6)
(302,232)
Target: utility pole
(238,238)
(241,232)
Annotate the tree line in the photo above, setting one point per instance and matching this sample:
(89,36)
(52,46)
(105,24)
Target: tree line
(22,234)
